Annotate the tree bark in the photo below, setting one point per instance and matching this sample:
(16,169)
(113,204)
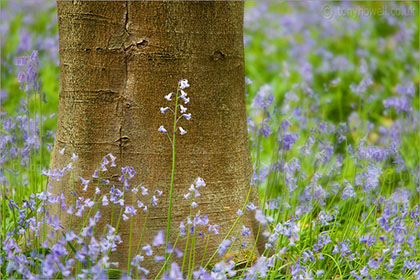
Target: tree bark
(117,61)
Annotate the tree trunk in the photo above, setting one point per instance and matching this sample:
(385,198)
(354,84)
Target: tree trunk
(117,61)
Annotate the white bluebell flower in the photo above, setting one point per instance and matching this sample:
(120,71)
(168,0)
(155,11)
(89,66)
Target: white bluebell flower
(187,196)
(187,116)
(199,182)
(143,190)
(183,84)
(168,96)
(163,109)
(183,109)
(186,99)
(182,131)
(105,201)
(192,189)
(162,129)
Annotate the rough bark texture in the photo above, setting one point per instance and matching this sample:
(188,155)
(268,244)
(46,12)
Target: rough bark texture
(117,61)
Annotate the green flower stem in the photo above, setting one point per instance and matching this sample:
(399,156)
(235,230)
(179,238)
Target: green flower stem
(129,245)
(233,226)
(192,256)
(166,261)
(205,249)
(142,233)
(186,244)
(253,249)
(172,174)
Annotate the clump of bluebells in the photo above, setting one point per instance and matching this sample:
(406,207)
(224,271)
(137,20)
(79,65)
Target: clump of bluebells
(334,138)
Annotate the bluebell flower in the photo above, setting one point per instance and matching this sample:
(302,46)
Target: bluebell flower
(175,272)
(163,109)
(264,97)
(223,246)
(348,192)
(182,131)
(144,270)
(113,158)
(364,271)
(251,207)
(214,229)
(159,258)
(308,255)
(178,253)
(201,274)
(266,130)
(154,200)
(245,231)
(199,182)
(186,99)
(288,139)
(143,190)
(335,250)
(187,116)
(183,109)
(183,83)
(168,96)
(410,264)
(136,260)
(355,275)
(148,250)
(159,239)
(130,210)
(260,217)
(373,264)
(182,228)
(162,129)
